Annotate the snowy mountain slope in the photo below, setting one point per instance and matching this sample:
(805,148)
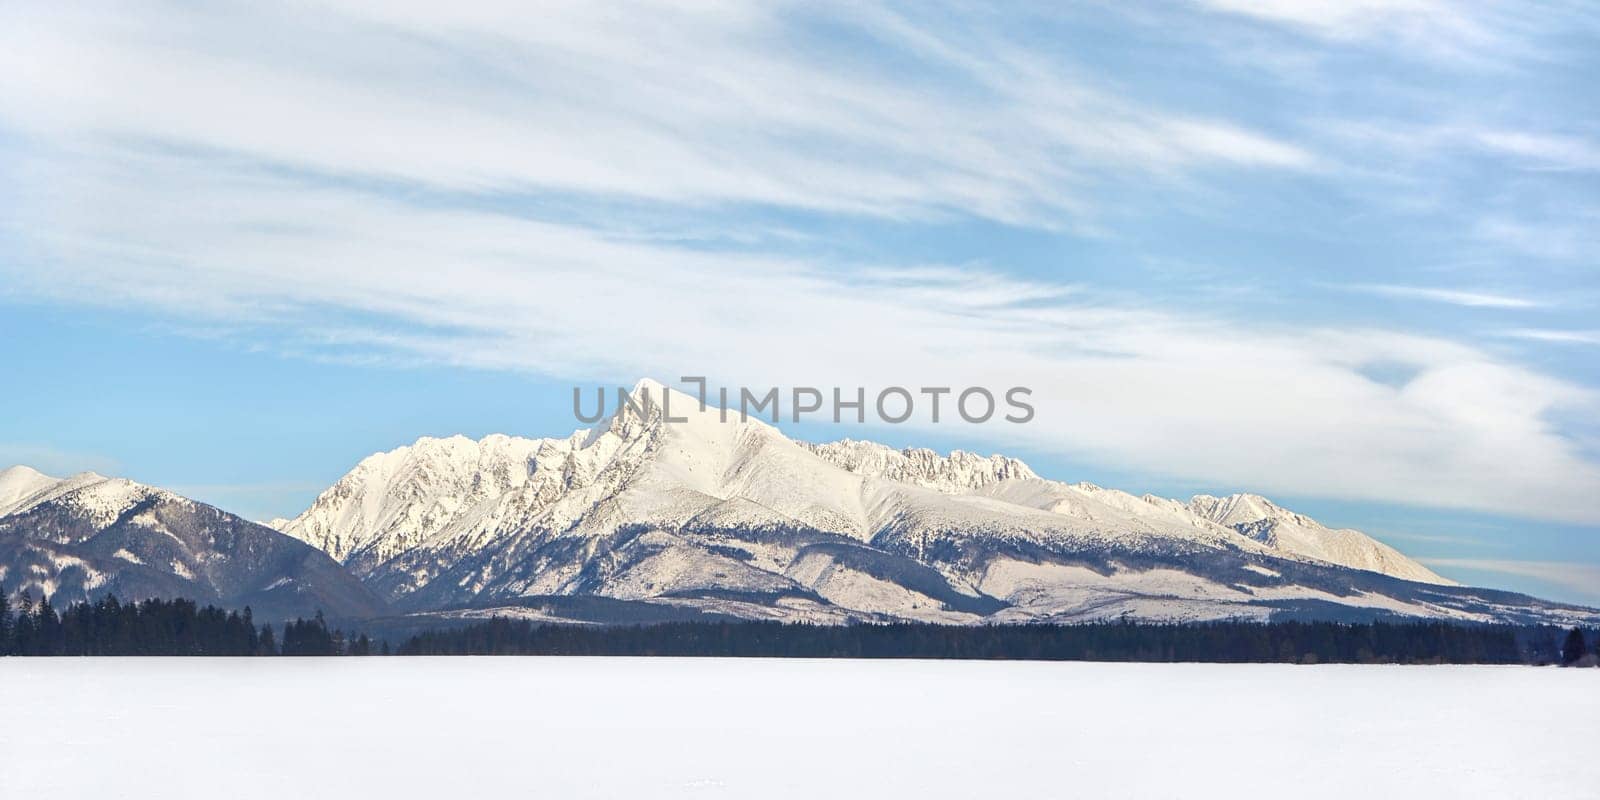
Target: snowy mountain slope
(86,536)
(1253,516)
(19,484)
(734,518)
(1260,519)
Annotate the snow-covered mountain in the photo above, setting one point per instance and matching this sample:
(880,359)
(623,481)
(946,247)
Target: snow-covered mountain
(1284,530)
(86,536)
(641,516)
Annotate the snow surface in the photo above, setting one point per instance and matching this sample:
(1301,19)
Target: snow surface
(697,728)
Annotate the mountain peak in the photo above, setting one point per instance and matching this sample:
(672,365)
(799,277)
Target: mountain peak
(23,487)
(20,472)
(653,407)
(1243,508)
(82,537)
(1269,523)
(649,385)
(20,482)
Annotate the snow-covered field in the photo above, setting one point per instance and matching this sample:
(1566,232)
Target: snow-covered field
(651,728)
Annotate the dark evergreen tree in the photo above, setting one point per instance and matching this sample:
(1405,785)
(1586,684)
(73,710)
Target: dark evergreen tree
(1574,647)
(109,627)
(266,643)
(5,622)
(22,627)
(48,630)
(307,638)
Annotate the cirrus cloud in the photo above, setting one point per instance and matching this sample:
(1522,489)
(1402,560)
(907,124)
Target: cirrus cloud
(347,272)
(478,185)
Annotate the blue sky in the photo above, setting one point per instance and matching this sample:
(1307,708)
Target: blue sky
(1341,254)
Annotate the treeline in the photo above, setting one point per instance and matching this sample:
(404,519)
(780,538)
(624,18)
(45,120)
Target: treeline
(109,627)
(1283,642)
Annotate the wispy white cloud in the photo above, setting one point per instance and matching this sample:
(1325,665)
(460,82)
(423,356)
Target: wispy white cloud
(1468,33)
(1554,335)
(1351,18)
(1457,297)
(1567,236)
(359,185)
(1583,580)
(1429,538)
(1548,151)
(1505,194)
(1523,148)
(736,106)
(346,272)
(1459,32)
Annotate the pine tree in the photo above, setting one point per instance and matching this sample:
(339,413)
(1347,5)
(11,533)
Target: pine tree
(22,628)
(5,622)
(1574,647)
(49,628)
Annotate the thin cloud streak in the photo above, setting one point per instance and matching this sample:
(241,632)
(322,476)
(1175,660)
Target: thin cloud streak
(1557,336)
(1583,580)
(1545,150)
(1457,297)
(1349,19)
(1474,34)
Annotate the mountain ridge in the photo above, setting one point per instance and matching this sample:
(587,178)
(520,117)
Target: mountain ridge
(85,536)
(713,516)
(734,517)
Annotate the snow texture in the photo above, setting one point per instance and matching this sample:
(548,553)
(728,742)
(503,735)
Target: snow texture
(696,728)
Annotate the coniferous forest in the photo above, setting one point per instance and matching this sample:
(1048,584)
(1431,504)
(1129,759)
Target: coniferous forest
(1223,642)
(156,627)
